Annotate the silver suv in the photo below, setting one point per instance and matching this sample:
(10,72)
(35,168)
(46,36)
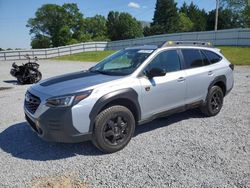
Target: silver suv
(132,86)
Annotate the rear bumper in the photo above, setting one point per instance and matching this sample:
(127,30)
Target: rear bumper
(56,125)
(231,84)
(228,91)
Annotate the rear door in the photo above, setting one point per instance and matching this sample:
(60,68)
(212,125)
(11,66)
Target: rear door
(199,74)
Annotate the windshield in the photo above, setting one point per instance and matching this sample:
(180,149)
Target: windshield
(123,62)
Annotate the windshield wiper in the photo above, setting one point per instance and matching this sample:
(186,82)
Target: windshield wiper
(99,71)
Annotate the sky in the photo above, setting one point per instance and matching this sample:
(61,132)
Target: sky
(15,13)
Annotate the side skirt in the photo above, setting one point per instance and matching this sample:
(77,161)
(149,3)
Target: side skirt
(172,111)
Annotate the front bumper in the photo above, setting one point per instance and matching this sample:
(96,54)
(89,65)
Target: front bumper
(55,124)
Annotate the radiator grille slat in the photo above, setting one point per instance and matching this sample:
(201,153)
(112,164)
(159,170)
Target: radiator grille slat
(31,102)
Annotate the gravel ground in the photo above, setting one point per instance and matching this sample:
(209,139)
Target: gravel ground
(183,150)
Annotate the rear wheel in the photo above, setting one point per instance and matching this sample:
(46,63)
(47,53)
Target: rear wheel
(114,128)
(214,102)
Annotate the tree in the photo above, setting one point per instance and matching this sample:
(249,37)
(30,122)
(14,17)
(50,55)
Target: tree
(96,27)
(57,23)
(112,25)
(40,41)
(197,16)
(184,8)
(123,26)
(236,5)
(184,24)
(165,17)
(147,31)
(239,8)
(227,19)
(74,19)
(246,16)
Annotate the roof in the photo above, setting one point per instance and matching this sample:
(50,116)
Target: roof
(174,43)
(187,43)
(144,47)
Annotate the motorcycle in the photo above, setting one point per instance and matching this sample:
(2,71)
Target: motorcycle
(27,73)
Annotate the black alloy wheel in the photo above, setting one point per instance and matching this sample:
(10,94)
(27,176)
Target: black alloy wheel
(214,101)
(114,127)
(116,130)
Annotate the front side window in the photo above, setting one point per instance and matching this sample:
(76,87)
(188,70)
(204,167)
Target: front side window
(123,62)
(192,58)
(167,60)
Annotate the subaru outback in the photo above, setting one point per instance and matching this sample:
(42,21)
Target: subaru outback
(133,86)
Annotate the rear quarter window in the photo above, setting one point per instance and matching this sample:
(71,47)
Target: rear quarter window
(212,57)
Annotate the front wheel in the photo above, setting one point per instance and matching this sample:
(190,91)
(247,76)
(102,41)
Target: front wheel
(114,128)
(35,76)
(38,76)
(214,102)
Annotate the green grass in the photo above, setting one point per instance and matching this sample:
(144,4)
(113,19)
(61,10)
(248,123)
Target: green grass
(236,55)
(86,56)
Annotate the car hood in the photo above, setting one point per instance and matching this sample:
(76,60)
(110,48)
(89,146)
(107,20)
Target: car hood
(71,83)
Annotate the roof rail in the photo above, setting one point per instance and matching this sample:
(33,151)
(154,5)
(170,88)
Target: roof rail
(186,43)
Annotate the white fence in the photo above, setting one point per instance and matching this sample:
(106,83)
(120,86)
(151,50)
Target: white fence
(53,52)
(230,37)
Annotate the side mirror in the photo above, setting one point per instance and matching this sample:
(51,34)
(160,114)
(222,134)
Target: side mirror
(154,72)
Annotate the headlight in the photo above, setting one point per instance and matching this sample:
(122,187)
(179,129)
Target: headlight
(64,101)
(60,101)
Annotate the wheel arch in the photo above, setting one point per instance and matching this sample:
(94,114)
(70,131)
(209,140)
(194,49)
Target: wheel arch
(125,97)
(219,81)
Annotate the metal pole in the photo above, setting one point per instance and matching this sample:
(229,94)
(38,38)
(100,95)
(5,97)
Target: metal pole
(216,15)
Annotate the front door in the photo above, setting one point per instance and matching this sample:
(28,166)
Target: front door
(163,93)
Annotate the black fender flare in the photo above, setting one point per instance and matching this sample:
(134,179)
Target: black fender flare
(127,94)
(221,78)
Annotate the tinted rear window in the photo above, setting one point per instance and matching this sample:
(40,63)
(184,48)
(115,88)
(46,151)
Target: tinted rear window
(205,59)
(213,57)
(192,58)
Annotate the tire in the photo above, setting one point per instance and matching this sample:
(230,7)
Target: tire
(34,78)
(114,128)
(214,102)
(39,76)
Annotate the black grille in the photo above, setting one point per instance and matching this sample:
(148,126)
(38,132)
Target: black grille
(31,102)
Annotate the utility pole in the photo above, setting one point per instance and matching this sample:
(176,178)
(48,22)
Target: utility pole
(217,14)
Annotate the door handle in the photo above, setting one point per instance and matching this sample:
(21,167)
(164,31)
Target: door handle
(181,79)
(210,73)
